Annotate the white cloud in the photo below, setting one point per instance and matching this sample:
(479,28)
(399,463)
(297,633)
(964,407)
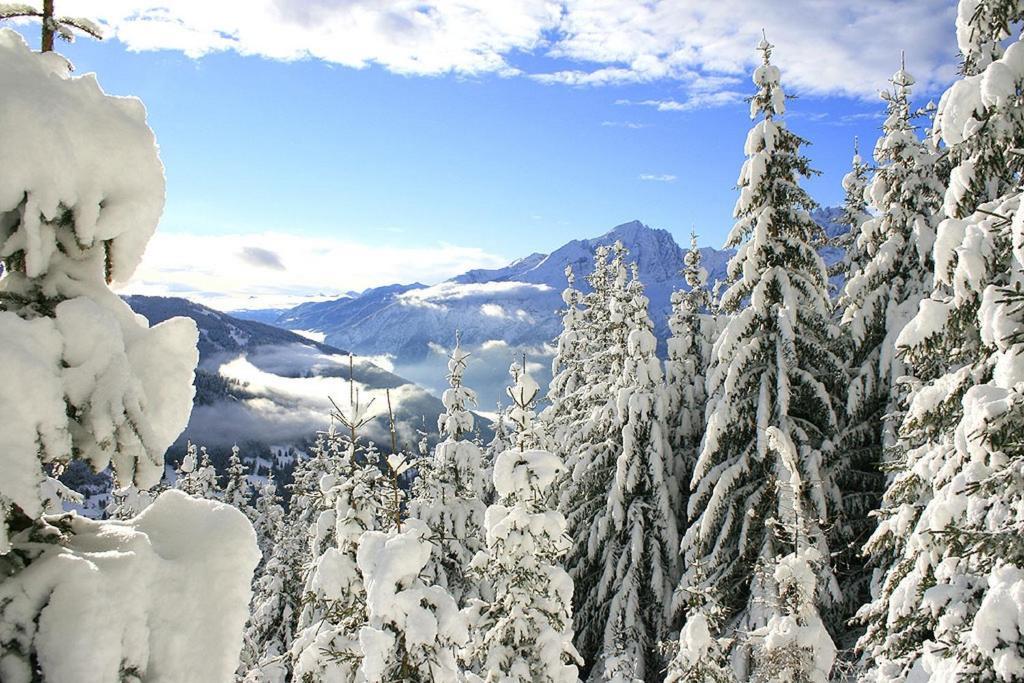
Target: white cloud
(823,47)
(211,269)
(447,291)
(632,125)
(658,178)
(493,311)
(698,100)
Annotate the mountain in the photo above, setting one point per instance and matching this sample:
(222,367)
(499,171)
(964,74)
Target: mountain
(501,313)
(260,383)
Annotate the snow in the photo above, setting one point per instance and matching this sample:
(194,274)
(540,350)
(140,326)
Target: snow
(80,196)
(1000,622)
(400,606)
(522,473)
(67,145)
(123,595)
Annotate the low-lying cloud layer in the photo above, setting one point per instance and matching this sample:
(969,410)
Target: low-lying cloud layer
(217,270)
(826,48)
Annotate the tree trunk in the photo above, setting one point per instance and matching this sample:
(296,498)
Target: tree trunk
(47,41)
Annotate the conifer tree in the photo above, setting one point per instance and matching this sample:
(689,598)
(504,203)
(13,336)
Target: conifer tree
(128,501)
(624,533)
(895,273)
(237,489)
(794,644)
(946,606)
(689,351)
(855,214)
(448,494)
(413,630)
(773,368)
(699,656)
(334,595)
(276,592)
(524,633)
(268,517)
(196,474)
(565,411)
(572,416)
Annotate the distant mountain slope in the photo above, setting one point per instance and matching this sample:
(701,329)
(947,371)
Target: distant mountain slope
(258,382)
(503,312)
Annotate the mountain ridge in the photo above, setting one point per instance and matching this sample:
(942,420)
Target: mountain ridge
(504,312)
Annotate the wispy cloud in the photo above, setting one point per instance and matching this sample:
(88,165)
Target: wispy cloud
(658,177)
(211,269)
(849,49)
(633,125)
(700,100)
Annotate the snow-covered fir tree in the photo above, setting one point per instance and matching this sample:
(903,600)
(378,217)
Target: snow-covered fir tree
(448,493)
(568,415)
(271,621)
(128,501)
(413,630)
(894,249)
(794,645)
(267,516)
(855,213)
(237,489)
(498,444)
(524,633)
(773,368)
(196,474)
(326,645)
(622,524)
(278,593)
(689,352)
(87,379)
(949,605)
(565,411)
(699,657)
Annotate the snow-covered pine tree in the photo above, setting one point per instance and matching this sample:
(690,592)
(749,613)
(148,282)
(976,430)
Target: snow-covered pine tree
(689,352)
(794,645)
(855,213)
(129,501)
(773,367)
(87,379)
(280,590)
(271,620)
(326,644)
(572,418)
(949,606)
(196,474)
(277,592)
(623,528)
(699,656)
(413,630)
(499,443)
(237,489)
(894,249)
(524,633)
(268,517)
(448,493)
(564,413)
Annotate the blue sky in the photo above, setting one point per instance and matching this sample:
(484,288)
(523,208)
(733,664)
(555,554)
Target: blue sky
(499,160)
